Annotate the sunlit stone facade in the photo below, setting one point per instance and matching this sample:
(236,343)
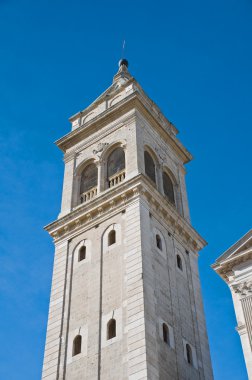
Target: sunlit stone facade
(235,268)
(125,300)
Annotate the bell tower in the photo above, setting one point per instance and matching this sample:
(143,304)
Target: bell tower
(125,299)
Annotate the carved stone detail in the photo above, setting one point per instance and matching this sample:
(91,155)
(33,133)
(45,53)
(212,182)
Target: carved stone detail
(244,289)
(161,156)
(100,149)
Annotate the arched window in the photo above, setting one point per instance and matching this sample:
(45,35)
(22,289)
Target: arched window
(179,262)
(189,356)
(159,242)
(150,169)
(112,237)
(77,345)
(168,188)
(82,253)
(166,337)
(88,182)
(116,165)
(111,329)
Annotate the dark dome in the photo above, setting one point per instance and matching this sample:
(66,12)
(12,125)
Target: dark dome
(123,61)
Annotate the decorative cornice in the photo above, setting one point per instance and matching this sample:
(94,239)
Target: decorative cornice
(244,240)
(126,121)
(134,100)
(100,148)
(114,90)
(113,201)
(241,329)
(244,288)
(225,267)
(109,93)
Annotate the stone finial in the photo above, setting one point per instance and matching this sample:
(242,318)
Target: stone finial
(123,62)
(123,73)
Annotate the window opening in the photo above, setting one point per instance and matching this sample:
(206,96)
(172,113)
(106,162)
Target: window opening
(111,329)
(166,334)
(168,188)
(112,237)
(116,162)
(189,354)
(89,178)
(149,164)
(82,253)
(77,345)
(159,242)
(179,262)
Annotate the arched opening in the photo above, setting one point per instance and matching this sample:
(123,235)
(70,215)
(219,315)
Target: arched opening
(179,262)
(116,167)
(112,237)
(168,188)
(88,186)
(189,356)
(82,253)
(150,169)
(166,334)
(111,329)
(77,345)
(159,242)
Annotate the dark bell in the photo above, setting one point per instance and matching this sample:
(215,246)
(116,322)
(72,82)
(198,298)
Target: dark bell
(123,61)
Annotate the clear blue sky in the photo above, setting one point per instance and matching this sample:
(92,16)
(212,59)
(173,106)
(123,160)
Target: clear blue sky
(193,58)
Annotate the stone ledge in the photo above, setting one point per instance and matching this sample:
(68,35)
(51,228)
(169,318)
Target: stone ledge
(104,206)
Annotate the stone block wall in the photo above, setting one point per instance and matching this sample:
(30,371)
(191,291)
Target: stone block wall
(132,281)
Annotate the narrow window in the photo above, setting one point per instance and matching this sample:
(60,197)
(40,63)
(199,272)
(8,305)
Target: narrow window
(149,164)
(116,167)
(166,334)
(112,237)
(111,329)
(168,188)
(88,178)
(179,262)
(159,242)
(77,345)
(189,357)
(82,253)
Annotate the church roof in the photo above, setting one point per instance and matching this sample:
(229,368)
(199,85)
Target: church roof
(124,90)
(121,80)
(239,252)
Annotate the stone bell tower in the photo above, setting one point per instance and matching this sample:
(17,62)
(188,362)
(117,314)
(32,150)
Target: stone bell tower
(125,299)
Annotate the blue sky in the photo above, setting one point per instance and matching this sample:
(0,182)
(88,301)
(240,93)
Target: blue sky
(194,60)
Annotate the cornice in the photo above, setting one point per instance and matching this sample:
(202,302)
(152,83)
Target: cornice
(225,268)
(112,201)
(241,329)
(128,120)
(134,100)
(169,138)
(230,252)
(102,119)
(112,92)
(244,289)
(109,93)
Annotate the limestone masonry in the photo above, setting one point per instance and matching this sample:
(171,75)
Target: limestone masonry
(235,268)
(125,300)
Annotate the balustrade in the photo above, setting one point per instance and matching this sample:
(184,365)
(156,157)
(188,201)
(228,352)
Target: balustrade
(116,178)
(88,195)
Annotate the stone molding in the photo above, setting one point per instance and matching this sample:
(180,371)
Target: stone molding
(238,253)
(115,200)
(76,151)
(225,268)
(134,100)
(114,91)
(241,329)
(244,288)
